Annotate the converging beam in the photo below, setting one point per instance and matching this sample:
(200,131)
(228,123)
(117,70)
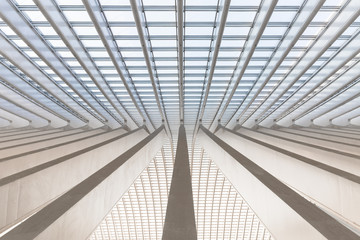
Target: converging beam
(180,216)
(77,212)
(286,213)
(180,35)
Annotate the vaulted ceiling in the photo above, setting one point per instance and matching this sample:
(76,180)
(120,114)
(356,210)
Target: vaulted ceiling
(114,63)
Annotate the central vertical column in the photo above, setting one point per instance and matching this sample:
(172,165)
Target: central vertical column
(180,217)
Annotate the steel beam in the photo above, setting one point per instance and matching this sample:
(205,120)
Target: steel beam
(341,107)
(319,103)
(15,56)
(297,27)
(30,105)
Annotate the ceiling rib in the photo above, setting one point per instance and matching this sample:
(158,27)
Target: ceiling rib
(11,78)
(58,21)
(219,37)
(325,74)
(335,28)
(180,52)
(295,31)
(98,19)
(254,36)
(29,35)
(336,62)
(140,20)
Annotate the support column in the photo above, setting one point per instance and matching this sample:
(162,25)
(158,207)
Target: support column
(77,212)
(180,216)
(286,214)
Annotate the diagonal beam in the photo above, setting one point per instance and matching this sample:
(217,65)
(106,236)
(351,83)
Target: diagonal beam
(15,120)
(28,33)
(28,103)
(213,61)
(16,56)
(355,120)
(98,18)
(34,119)
(64,217)
(18,83)
(345,55)
(180,42)
(180,216)
(4,122)
(257,183)
(301,112)
(343,119)
(299,25)
(261,22)
(136,9)
(340,108)
(343,19)
(58,21)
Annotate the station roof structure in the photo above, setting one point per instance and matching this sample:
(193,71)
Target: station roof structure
(129,63)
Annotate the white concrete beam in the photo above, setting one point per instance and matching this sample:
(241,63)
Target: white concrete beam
(10,77)
(44,137)
(324,135)
(331,33)
(286,214)
(18,131)
(31,117)
(25,191)
(23,29)
(345,147)
(43,152)
(30,133)
(62,27)
(347,163)
(77,212)
(337,190)
(16,121)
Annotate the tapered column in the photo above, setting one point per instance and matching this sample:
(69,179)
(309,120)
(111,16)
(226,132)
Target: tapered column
(286,213)
(77,212)
(180,217)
